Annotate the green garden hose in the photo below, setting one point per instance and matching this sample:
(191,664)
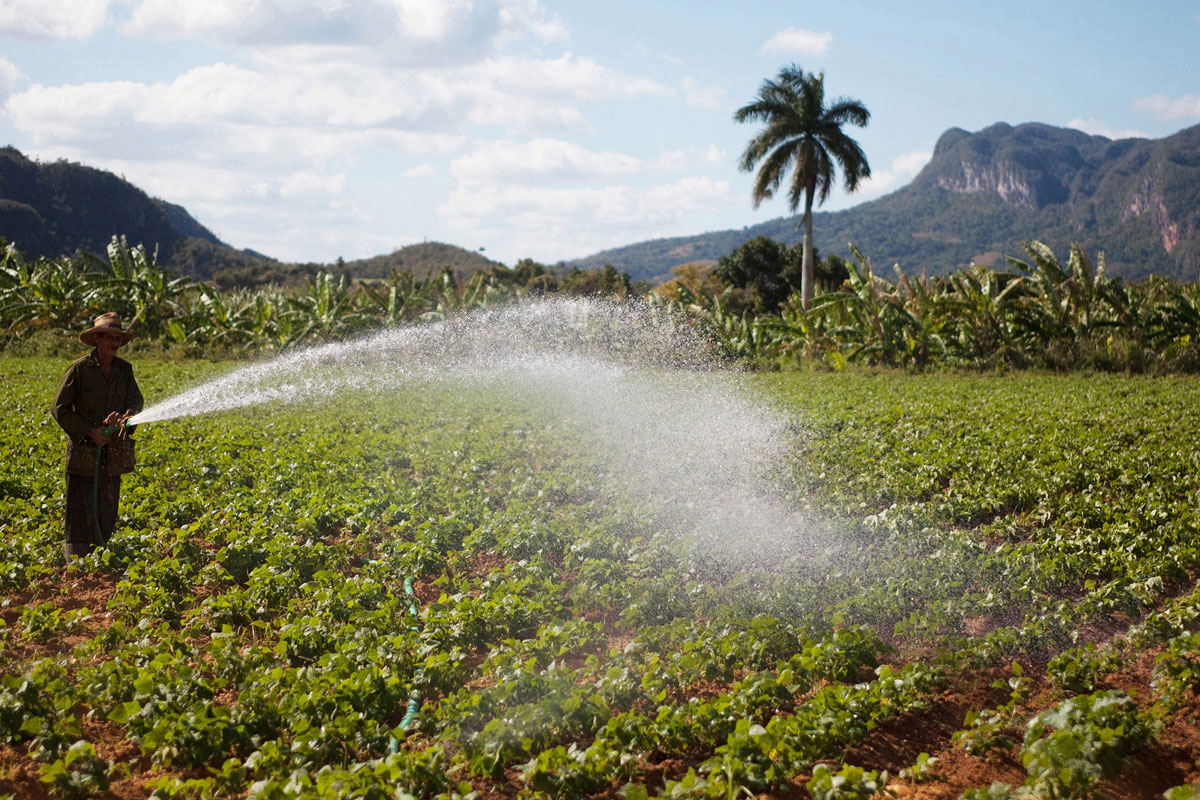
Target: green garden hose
(414,697)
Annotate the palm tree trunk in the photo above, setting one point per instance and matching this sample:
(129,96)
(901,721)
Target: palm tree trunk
(806,265)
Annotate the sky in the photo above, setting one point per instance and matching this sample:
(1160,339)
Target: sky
(310,130)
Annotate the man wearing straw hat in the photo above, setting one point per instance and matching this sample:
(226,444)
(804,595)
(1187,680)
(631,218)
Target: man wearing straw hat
(98,390)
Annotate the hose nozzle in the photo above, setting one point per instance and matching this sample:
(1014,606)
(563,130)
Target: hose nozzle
(117,427)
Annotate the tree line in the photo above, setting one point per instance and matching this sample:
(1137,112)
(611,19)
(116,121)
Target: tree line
(45,298)
(1039,313)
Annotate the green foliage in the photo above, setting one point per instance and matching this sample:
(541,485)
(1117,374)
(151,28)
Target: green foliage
(922,770)
(996,791)
(1068,748)
(848,783)
(79,773)
(1079,670)
(768,269)
(257,639)
(1058,317)
(57,297)
(1177,672)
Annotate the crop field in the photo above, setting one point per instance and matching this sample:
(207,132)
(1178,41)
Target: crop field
(994,595)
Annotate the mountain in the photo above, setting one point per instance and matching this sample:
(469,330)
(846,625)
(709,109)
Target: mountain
(51,209)
(422,260)
(983,194)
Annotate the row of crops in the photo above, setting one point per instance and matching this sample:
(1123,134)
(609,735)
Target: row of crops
(1037,313)
(1002,602)
(55,296)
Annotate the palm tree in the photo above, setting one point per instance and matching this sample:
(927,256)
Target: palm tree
(801,133)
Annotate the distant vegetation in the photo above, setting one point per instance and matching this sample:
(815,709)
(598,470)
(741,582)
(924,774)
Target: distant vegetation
(46,300)
(1039,313)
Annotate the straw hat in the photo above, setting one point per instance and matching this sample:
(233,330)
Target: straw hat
(105,323)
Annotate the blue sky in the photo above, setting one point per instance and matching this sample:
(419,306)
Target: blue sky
(313,129)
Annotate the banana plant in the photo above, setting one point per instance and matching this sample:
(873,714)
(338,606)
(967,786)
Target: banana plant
(1068,303)
(135,283)
(399,299)
(1178,316)
(981,303)
(328,309)
(47,295)
(868,315)
(800,334)
(924,302)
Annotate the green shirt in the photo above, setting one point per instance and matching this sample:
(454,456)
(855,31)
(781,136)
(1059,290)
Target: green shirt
(85,397)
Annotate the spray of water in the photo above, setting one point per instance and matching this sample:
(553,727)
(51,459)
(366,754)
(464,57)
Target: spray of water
(680,431)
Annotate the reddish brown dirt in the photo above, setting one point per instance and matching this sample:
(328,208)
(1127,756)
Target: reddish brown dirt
(69,591)
(426,592)
(73,591)
(485,563)
(1172,759)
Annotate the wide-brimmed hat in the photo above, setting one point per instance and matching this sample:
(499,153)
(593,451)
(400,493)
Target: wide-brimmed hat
(106,323)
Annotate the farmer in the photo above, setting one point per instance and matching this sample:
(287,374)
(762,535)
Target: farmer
(98,390)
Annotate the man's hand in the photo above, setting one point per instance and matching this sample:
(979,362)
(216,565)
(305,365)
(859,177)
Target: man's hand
(98,436)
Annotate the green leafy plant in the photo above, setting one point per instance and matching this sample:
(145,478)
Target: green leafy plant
(80,772)
(848,783)
(922,770)
(1069,748)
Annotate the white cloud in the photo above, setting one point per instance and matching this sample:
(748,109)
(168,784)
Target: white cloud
(566,75)
(505,160)
(541,207)
(68,113)
(184,19)
(511,92)
(419,171)
(10,76)
(545,223)
(902,169)
(797,40)
(910,164)
(311,185)
(527,15)
(415,32)
(283,143)
(713,155)
(1098,128)
(1185,107)
(669,160)
(712,97)
(53,19)
(542,160)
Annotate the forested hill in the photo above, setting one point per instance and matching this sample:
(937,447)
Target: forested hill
(422,260)
(982,194)
(56,208)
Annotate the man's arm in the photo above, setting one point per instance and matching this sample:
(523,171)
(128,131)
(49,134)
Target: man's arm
(63,408)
